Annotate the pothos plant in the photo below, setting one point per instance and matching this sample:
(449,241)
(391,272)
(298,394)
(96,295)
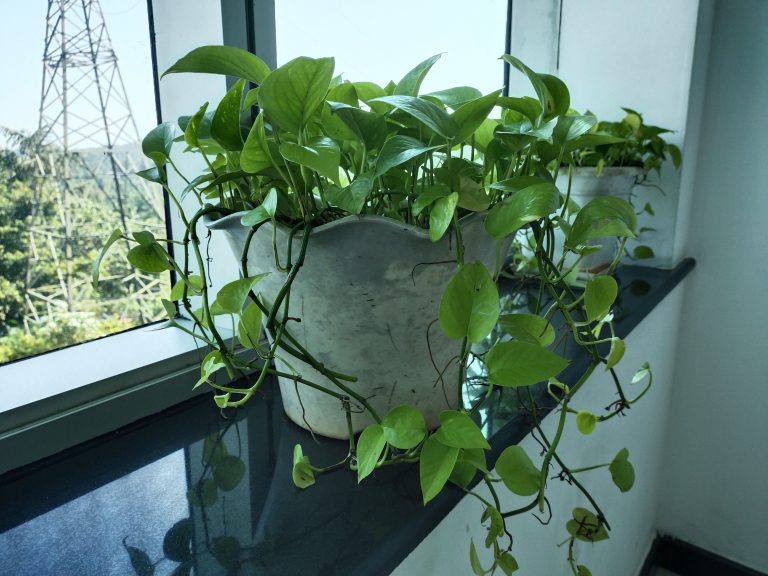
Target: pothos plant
(298,147)
(634,145)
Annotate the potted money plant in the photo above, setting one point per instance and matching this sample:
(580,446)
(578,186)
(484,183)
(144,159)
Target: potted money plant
(370,223)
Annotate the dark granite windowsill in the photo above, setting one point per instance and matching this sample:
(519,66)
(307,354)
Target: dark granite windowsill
(125,490)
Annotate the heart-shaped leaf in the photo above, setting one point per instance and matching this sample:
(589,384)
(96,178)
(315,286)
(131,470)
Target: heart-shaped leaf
(469,307)
(435,466)
(519,363)
(518,472)
(404,427)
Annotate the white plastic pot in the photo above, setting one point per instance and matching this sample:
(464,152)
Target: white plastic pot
(367,297)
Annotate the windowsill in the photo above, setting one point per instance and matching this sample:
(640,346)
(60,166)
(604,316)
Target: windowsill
(365,529)
(52,391)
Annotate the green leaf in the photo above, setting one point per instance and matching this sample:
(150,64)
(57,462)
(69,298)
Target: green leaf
(321,155)
(454,97)
(251,99)
(602,217)
(411,82)
(228,472)
(153,175)
(508,564)
(425,112)
(496,527)
(367,91)
(255,155)
(368,127)
(114,237)
(470,116)
(177,542)
(226,60)
(474,561)
(485,134)
(472,196)
(194,284)
(203,494)
(519,363)
(457,429)
(225,126)
(527,205)
(397,150)
(586,422)
(231,297)
(463,473)
(149,258)
(263,212)
(569,127)
(528,107)
(158,142)
(518,472)
(221,400)
(370,445)
(599,295)
(622,471)
(560,97)
(351,198)
(303,475)
(643,252)
(212,363)
(616,354)
(643,372)
(590,140)
(404,427)
(528,328)
(441,216)
(675,154)
(469,461)
(435,466)
(291,94)
(140,561)
(469,307)
(249,327)
(191,136)
(552,93)
(475,457)
(439,190)
(585,526)
(582,570)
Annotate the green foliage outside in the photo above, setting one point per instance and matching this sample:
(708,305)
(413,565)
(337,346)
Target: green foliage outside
(34,316)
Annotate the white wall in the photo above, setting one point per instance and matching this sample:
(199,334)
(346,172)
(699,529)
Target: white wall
(445,552)
(637,54)
(633,53)
(716,466)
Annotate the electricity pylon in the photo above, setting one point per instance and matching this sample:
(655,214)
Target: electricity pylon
(89,145)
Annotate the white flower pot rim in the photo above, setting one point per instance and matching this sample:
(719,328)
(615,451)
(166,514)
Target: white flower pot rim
(234,219)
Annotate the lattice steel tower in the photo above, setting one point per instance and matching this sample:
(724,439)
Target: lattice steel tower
(90,143)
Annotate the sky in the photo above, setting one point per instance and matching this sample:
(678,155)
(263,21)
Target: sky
(22,36)
(470,42)
(381,41)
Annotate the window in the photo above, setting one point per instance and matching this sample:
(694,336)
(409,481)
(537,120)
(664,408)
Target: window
(381,42)
(69,147)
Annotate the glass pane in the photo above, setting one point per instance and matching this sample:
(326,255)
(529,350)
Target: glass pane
(381,42)
(80,96)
